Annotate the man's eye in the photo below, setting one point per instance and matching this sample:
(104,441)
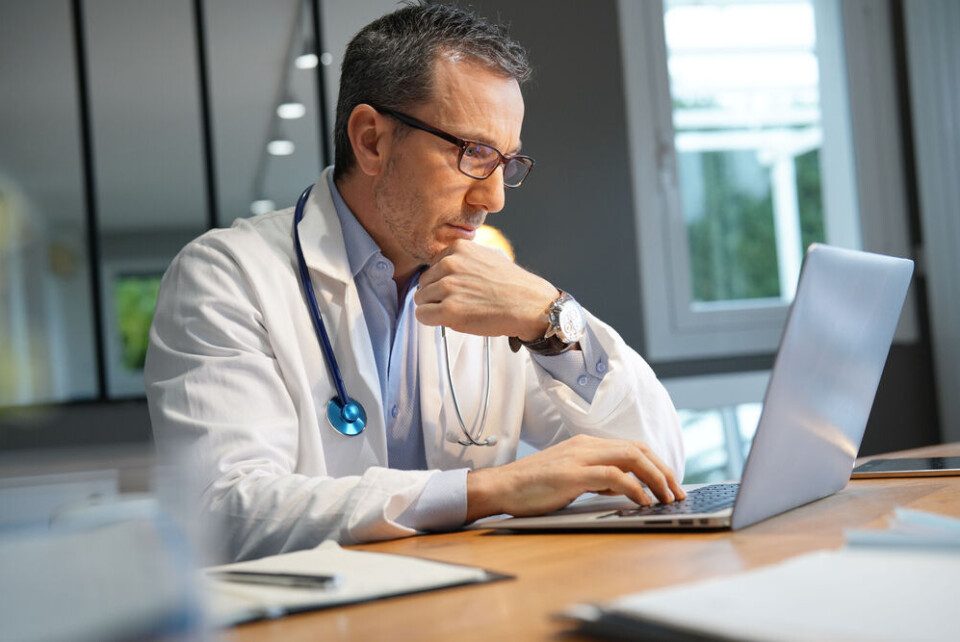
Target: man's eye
(474,151)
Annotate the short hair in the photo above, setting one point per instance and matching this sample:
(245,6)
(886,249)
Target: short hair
(389,63)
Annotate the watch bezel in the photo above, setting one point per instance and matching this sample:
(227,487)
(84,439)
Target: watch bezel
(565,304)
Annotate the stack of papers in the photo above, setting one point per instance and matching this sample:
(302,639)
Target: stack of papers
(895,592)
(360,577)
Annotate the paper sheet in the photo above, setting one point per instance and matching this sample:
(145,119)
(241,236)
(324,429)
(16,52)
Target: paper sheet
(851,594)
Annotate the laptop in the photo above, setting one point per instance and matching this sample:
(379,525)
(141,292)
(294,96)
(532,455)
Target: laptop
(824,379)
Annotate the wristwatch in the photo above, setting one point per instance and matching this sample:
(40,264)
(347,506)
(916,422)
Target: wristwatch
(566,326)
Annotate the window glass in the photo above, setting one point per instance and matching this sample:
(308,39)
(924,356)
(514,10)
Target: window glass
(745,90)
(147,146)
(263,65)
(717,441)
(47,347)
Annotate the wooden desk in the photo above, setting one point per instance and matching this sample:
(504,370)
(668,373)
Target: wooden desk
(556,570)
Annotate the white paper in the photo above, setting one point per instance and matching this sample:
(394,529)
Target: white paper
(852,594)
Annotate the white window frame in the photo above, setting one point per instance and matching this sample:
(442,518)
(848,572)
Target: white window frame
(870,159)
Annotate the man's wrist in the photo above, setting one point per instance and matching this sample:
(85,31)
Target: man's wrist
(482,494)
(537,326)
(566,325)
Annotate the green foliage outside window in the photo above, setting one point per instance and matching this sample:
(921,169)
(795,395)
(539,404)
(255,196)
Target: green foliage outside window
(733,253)
(732,246)
(135,301)
(809,197)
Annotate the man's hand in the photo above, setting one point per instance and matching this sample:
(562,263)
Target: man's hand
(550,479)
(477,290)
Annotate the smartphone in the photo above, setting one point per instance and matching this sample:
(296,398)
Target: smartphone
(912,467)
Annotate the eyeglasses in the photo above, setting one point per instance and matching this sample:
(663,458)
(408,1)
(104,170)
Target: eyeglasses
(477,160)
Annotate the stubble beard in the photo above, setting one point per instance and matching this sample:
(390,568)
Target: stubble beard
(396,207)
(400,208)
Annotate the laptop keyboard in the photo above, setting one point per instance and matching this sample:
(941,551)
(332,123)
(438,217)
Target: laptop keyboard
(706,499)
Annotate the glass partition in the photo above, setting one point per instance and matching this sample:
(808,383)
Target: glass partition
(263,65)
(129,128)
(47,336)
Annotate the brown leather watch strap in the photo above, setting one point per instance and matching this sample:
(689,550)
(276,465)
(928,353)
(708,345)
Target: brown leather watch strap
(547,347)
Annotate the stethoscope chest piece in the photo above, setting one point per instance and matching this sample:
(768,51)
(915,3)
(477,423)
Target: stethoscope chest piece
(349,419)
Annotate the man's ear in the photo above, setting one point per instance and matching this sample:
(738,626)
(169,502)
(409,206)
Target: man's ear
(368,135)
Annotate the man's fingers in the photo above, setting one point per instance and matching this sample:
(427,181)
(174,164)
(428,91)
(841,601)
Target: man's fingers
(603,479)
(671,477)
(636,458)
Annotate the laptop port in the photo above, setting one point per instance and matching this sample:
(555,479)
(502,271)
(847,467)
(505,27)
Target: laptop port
(686,521)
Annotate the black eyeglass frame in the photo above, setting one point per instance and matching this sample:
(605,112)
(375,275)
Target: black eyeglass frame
(526,161)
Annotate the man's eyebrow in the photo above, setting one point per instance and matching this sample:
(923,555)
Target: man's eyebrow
(487,141)
(481,138)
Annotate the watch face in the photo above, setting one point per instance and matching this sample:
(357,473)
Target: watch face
(572,323)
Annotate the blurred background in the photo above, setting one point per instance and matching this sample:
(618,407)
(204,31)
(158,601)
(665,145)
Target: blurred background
(687,153)
(695,147)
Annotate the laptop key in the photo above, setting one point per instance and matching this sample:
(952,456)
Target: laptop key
(706,499)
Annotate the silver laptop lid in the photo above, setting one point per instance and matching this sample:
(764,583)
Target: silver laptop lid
(824,380)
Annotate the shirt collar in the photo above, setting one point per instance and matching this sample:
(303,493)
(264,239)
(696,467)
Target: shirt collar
(361,248)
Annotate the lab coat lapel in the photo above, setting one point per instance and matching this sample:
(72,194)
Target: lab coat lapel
(326,256)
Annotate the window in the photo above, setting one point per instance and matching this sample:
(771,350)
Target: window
(747,129)
(717,441)
(718,416)
(744,152)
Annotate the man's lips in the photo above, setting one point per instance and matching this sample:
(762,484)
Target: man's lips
(466,231)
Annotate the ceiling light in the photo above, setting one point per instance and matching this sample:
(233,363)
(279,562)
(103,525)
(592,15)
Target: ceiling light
(306,61)
(262,206)
(291,111)
(326,59)
(280,147)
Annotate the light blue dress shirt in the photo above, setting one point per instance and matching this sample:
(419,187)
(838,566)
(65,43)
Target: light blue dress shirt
(393,333)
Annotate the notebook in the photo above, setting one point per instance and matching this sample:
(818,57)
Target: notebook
(824,379)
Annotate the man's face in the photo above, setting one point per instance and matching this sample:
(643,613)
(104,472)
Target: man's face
(424,201)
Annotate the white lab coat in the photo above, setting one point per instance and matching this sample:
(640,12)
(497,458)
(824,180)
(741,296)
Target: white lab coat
(238,389)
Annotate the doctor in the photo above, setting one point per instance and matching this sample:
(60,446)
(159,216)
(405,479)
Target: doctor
(427,137)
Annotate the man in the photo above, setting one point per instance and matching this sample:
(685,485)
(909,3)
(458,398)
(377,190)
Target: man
(427,136)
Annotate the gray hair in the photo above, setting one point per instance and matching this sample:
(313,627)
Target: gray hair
(389,63)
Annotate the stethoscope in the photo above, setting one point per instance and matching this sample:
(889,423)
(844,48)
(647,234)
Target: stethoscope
(347,415)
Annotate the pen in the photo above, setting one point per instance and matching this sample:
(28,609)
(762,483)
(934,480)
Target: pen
(289,580)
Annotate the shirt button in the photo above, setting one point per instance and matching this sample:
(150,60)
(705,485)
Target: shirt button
(583,380)
(601,367)
(395,411)
(381,265)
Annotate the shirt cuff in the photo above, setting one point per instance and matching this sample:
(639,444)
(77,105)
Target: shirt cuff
(581,370)
(441,506)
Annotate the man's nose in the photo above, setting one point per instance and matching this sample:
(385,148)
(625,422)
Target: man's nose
(487,194)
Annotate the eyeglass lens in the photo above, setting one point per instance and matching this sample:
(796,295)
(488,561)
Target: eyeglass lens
(480,161)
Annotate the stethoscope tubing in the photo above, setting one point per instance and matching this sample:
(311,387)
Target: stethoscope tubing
(346,415)
(318,325)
